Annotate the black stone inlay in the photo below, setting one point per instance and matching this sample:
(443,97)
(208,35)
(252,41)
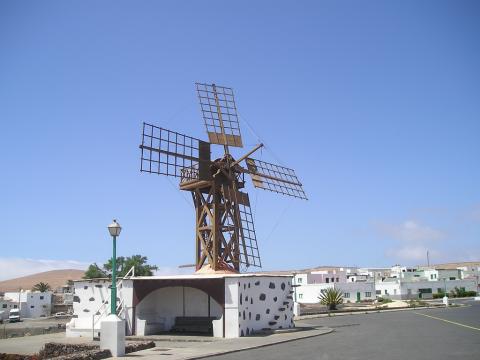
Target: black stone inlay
(241,333)
(249,316)
(99,286)
(275,299)
(271,285)
(262,297)
(241,298)
(276,317)
(272,323)
(268,311)
(248,331)
(76,298)
(281,309)
(91,299)
(257,317)
(285,303)
(257,283)
(246,298)
(249,285)
(85,287)
(251,301)
(86,310)
(289,297)
(239,314)
(243,314)
(283,286)
(285,316)
(244,286)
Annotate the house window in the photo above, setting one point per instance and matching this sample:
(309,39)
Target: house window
(378,292)
(431,277)
(353,279)
(368,294)
(327,280)
(42,297)
(333,279)
(386,292)
(338,280)
(15,306)
(300,280)
(32,306)
(300,296)
(346,295)
(452,278)
(4,306)
(394,291)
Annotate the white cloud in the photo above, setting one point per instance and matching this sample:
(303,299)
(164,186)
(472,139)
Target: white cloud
(11,268)
(16,267)
(410,231)
(167,270)
(412,253)
(413,240)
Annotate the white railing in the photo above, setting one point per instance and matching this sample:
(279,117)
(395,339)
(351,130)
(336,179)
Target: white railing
(102,309)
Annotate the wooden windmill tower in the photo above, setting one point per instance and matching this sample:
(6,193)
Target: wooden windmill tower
(225,234)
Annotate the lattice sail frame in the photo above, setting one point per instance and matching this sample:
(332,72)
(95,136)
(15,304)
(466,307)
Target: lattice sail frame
(170,153)
(275,178)
(219,113)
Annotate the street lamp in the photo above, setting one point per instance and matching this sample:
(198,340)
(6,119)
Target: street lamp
(114,229)
(112,327)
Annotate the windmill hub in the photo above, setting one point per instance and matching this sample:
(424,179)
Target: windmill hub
(225,235)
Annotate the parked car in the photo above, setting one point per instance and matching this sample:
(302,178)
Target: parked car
(61,315)
(14,315)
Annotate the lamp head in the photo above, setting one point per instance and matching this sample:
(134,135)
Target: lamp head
(114,228)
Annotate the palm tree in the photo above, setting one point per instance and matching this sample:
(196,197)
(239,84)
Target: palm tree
(331,298)
(42,287)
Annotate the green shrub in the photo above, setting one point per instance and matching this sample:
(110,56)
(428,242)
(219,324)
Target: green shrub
(331,298)
(384,300)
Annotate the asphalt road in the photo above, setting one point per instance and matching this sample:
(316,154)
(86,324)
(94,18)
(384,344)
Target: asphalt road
(432,334)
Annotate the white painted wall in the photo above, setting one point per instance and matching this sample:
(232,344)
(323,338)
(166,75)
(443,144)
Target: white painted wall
(160,307)
(258,302)
(87,301)
(33,304)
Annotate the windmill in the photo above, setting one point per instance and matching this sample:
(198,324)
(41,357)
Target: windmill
(225,233)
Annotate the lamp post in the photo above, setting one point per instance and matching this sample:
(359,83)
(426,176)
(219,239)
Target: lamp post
(112,327)
(114,229)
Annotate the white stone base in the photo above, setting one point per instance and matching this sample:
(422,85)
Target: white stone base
(445,300)
(296,309)
(112,336)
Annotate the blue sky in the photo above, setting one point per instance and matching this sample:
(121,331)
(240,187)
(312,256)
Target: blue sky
(375,104)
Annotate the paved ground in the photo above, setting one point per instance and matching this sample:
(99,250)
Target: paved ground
(32,344)
(452,333)
(437,334)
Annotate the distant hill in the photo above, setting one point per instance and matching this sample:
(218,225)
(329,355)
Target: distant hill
(55,278)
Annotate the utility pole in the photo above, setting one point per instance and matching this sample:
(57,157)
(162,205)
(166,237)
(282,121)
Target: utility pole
(428,259)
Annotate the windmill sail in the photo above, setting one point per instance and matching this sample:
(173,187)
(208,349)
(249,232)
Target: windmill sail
(275,178)
(170,153)
(219,114)
(249,254)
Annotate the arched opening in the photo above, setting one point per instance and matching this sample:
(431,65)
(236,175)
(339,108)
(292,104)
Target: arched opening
(181,309)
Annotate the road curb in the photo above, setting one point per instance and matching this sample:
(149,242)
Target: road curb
(313,316)
(327,331)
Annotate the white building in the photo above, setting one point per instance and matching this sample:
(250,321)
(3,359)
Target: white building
(32,304)
(234,304)
(355,287)
(5,306)
(422,288)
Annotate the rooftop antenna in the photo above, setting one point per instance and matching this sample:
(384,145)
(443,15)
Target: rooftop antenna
(225,235)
